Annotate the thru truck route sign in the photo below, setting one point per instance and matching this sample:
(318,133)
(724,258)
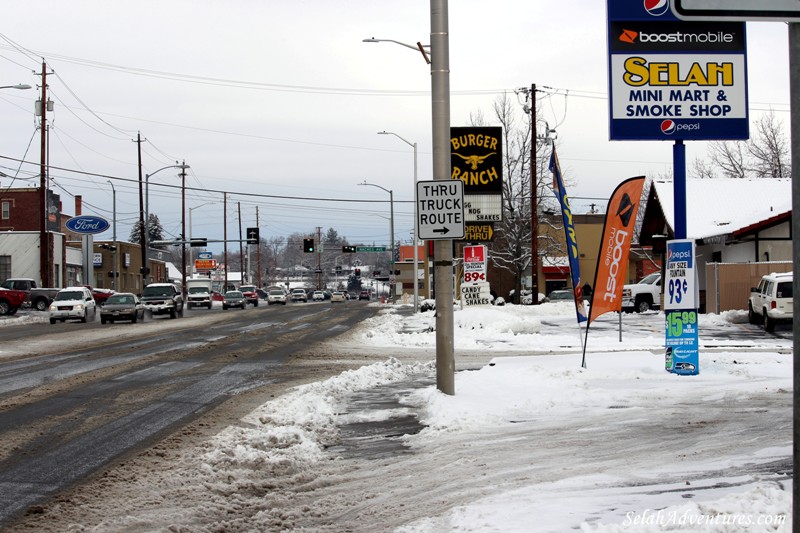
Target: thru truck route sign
(440,209)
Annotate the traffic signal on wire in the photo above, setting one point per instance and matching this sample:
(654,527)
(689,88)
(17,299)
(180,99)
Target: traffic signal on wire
(308,246)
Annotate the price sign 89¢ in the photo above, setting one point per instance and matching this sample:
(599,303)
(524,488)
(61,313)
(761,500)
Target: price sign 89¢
(469,277)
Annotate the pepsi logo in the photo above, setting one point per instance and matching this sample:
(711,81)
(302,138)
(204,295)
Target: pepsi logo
(656,7)
(668,127)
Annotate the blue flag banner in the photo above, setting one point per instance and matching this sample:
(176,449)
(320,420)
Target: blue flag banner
(571,239)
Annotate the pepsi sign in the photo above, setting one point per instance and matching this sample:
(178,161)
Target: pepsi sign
(674,80)
(87,225)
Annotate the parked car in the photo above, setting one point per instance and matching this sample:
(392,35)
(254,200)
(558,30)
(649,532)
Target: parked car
(11,300)
(163,299)
(318,296)
(122,306)
(299,295)
(234,299)
(73,303)
(364,295)
(338,297)
(276,296)
(561,295)
(100,295)
(36,297)
(771,302)
(250,294)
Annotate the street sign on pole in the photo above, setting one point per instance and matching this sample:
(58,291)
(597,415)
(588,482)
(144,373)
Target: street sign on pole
(440,210)
(782,10)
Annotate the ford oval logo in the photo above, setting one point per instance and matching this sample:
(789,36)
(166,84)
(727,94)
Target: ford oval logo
(87,224)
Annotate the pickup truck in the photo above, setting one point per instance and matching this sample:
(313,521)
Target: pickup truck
(11,300)
(642,296)
(37,297)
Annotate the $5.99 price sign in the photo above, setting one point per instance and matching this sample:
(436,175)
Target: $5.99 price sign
(678,322)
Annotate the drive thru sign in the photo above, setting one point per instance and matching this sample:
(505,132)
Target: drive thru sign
(440,209)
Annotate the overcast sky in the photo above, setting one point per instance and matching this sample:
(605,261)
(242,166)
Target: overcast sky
(282,98)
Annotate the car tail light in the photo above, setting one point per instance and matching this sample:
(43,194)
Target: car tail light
(774,305)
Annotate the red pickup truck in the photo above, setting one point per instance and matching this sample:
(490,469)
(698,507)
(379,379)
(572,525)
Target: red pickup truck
(11,300)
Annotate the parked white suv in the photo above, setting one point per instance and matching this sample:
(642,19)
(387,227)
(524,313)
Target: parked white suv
(771,302)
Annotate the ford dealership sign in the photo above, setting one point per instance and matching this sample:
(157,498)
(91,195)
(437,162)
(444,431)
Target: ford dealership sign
(87,224)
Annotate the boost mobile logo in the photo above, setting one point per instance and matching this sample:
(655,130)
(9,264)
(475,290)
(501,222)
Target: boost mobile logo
(625,209)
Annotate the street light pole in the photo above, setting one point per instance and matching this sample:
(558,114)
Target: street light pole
(114,273)
(144,210)
(391,230)
(415,276)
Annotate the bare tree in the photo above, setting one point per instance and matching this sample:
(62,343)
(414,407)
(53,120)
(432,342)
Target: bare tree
(511,248)
(764,155)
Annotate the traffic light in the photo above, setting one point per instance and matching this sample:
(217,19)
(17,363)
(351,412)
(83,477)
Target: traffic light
(358,272)
(198,243)
(348,249)
(308,246)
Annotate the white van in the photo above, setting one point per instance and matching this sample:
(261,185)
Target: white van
(198,292)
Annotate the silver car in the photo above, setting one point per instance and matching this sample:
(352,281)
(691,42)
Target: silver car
(122,306)
(234,299)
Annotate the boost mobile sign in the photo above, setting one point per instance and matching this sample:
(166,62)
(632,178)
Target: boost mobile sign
(674,80)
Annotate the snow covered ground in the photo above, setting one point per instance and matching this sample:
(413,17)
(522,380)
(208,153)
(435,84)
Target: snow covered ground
(530,442)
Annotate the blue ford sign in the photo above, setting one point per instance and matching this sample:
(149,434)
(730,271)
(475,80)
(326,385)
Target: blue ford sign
(87,224)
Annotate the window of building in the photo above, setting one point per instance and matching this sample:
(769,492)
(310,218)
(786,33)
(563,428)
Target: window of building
(5,267)
(6,210)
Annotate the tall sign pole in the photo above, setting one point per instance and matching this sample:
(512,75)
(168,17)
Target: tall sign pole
(443,249)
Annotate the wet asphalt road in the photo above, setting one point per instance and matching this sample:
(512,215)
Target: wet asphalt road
(65,416)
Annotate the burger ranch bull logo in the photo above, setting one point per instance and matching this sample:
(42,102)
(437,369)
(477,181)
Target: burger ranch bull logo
(476,159)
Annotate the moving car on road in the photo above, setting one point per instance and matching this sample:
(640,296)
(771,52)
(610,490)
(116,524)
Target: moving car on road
(363,295)
(318,296)
(276,296)
(73,303)
(122,306)
(338,297)
(234,299)
(163,299)
(250,294)
(299,295)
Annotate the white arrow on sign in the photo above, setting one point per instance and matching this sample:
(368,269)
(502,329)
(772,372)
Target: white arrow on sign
(440,209)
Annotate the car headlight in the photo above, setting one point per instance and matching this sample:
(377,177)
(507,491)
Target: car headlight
(78,307)
(53,307)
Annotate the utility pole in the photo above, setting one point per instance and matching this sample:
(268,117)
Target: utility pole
(258,254)
(534,206)
(183,228)
(319,258)
(225,237)
(44,236)
(241,251)
(143,237)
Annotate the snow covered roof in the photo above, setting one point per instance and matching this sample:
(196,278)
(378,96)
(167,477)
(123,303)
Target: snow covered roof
(724,205)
